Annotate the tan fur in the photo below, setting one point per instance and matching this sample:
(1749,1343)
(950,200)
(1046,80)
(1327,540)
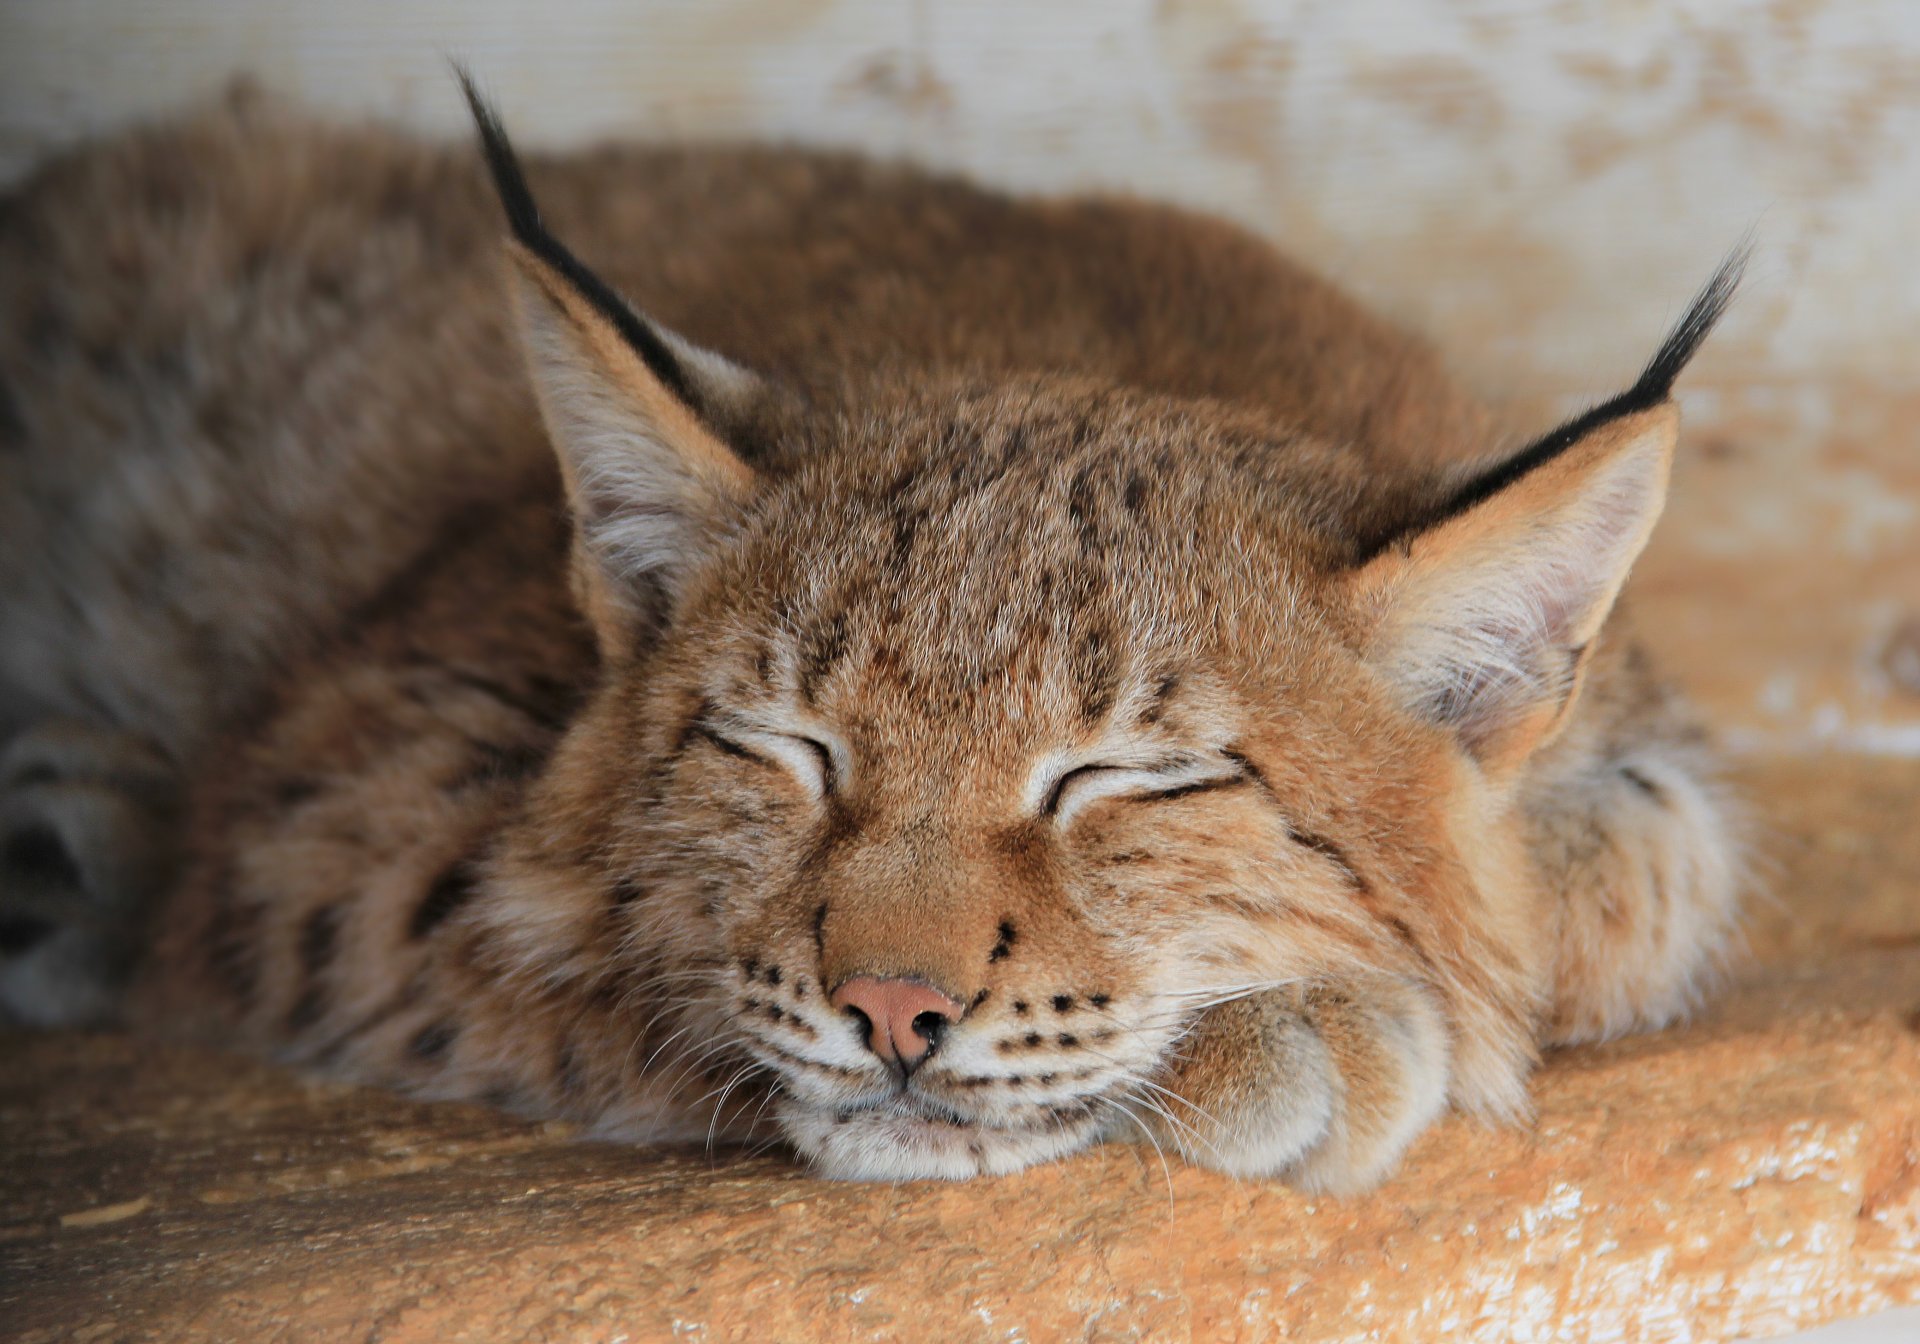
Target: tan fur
(588,817)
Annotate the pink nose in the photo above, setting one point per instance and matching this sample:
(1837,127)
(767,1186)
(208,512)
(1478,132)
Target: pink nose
(904,1017)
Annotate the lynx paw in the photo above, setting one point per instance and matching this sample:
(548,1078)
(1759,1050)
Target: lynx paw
(1323,1085)
(84,841)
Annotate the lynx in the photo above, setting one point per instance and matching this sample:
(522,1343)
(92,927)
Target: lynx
(936,678)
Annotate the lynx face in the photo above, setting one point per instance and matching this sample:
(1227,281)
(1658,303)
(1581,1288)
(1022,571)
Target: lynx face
(954,714)
(1009,765)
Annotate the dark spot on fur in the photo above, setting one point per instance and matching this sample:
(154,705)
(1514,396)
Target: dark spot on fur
(1014,445)
(773,975)
(1048,1079)
(800,986)
(906,527)
(1136,492)
(626,891)
(1033,1038)
(824,647)
(1004,948)
(1156,705)
(1329,851)
(13,426)
(1100,1000)
(1404,932)
(431,1042)
(1080,508)
(1062,1003)
(293,791)
(1642,783)
(308,1009)
(820,930)
(1067,1040)
(109,361)
(566,1070)
(979,999)
(451,890)
(318,938)
(38,854)
(22,933)
(1100,680)
(689,731)
(1020,1007)
(1244,763)
(751,968)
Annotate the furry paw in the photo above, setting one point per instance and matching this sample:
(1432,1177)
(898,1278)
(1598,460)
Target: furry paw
(1324,1085)
(85,840)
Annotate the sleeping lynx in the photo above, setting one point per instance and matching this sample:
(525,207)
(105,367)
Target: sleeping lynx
(1006,674)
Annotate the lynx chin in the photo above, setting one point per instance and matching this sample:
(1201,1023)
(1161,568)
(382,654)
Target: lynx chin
(771,644)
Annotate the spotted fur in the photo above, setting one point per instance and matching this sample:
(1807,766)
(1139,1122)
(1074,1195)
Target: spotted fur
(1070,604)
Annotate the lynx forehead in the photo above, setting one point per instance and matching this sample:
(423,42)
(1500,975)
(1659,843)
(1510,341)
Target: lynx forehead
(1006,675)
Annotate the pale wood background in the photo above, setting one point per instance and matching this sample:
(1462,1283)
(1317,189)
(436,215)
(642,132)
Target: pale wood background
(1540,186)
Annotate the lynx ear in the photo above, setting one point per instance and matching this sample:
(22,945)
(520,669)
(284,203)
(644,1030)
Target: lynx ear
(636,416)
(1483,611)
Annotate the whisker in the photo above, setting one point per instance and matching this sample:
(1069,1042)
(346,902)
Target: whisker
(1180,1126)
(749,1070)
(1166,1171)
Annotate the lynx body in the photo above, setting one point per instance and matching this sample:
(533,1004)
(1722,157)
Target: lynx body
(944,678)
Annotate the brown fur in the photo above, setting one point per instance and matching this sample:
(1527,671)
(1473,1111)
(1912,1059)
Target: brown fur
(483,805)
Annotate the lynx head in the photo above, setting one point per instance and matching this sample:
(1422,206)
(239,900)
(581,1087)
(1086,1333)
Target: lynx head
(958,744)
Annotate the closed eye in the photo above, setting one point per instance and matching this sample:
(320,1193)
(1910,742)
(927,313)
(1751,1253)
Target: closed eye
(810,761)
(1154,782)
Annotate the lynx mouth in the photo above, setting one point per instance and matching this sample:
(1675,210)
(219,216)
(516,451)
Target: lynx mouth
(905,1137)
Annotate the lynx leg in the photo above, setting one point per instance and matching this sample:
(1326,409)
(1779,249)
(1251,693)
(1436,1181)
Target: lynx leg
(1639,850)
(85,841)
(1325,1085)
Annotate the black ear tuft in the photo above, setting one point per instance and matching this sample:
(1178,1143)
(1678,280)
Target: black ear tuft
(1654,386)
(503,165)
(1656,383)
(523,219)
